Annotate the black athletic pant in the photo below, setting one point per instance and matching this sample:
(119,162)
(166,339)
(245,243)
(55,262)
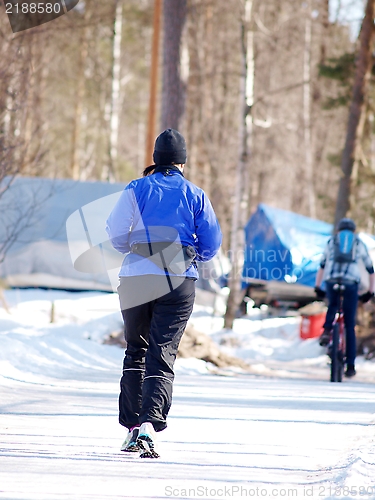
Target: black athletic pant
(153,331)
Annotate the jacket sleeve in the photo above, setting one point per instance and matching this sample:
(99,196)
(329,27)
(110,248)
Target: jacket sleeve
(120,220)
(365,256)
(325,256)
(207,230)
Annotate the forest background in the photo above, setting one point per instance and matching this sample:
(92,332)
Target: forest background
(264,92)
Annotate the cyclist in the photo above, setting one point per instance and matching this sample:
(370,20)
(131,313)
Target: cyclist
(331,271)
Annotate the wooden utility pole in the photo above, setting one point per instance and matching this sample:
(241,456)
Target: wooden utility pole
(153,82)
(364,62)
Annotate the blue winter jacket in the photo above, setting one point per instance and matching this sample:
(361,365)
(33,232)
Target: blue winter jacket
(161,206)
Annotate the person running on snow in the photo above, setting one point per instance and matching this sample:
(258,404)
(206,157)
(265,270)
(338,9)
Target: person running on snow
(348,274)
(164,223)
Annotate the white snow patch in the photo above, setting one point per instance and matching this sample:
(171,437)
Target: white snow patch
(282,429)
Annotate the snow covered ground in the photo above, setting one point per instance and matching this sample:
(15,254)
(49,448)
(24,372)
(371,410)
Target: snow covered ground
(280,431)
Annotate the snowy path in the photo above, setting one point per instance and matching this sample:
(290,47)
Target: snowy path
(239,436)
(231,435)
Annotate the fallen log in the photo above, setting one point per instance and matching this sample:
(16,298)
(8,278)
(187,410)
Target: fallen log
(194,344)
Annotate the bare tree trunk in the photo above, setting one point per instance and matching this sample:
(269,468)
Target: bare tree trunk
(372,143)
(173,92)
(153,82)
(40,120)
(194,103)
(309,178)
(28,120)
(79,96)
(357,109)
(240,200)
(115,101)
(324,16)
(203,162)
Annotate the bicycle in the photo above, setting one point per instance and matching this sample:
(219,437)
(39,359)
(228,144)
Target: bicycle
(336,347)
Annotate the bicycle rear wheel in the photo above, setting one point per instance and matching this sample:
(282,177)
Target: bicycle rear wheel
(337,361)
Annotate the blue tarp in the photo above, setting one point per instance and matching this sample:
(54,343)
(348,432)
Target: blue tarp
(283,246)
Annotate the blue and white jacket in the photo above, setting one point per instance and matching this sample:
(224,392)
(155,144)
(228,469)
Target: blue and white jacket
(167,204)
(349,272)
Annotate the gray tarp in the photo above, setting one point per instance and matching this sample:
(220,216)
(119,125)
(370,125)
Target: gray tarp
(38,213)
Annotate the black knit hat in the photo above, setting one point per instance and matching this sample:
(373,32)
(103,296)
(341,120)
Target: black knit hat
(170,147)
(346,223)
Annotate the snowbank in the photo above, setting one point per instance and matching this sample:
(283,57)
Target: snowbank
(33,346)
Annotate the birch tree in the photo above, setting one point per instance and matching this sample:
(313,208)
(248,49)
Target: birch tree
(240,197)
(115,92)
